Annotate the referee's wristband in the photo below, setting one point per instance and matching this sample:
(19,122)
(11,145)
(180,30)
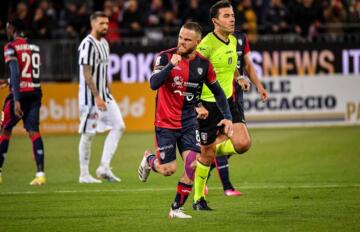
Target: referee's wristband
(238,78)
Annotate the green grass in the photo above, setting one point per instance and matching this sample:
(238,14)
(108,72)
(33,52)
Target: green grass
(302,179)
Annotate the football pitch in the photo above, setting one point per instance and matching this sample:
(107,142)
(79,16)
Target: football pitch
(293,179)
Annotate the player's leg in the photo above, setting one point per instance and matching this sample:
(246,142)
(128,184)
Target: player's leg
(164,161)
(111,117)
(208,134)
(31,118)
(88,121)
(8,121)
(189,148)
(239,143)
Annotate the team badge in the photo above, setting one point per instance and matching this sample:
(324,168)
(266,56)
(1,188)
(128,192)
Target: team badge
(200,70)
(162,155)
(204,137)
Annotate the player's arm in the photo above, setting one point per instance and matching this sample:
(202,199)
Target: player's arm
(87,61)
(162,70)
(100,103)
(12,62)
(250,69)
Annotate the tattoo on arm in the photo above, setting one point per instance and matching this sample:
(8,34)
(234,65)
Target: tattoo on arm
(89,80)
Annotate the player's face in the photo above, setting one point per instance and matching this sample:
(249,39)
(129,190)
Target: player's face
(187,41)
(101,26)
(225,20)
(10,31)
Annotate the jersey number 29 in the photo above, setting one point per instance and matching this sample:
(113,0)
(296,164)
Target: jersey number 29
(34,59)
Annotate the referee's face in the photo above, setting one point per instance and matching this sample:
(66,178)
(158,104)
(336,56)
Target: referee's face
(187,41)
(101,26)
(225,21)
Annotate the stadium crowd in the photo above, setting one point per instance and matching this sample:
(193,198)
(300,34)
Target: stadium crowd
(155,19)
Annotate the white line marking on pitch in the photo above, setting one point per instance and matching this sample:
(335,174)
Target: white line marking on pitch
(172,189)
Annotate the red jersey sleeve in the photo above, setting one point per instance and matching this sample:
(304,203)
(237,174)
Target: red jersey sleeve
(247,46)
(9,53)
(211,76)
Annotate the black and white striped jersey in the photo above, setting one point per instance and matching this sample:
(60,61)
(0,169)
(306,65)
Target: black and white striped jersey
(95,53)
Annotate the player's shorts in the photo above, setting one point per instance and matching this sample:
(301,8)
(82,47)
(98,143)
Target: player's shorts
(92,120)
(208,127)
(30,105)
(167,139)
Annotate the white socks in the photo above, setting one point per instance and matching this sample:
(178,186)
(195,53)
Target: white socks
(110,145)
(85,152)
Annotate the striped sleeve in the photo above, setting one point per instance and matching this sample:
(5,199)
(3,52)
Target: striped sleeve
(86,53)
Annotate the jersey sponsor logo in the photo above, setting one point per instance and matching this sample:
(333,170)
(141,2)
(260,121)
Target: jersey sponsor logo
(200,70)
(188,96)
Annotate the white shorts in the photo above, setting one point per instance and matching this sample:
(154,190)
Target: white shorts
(92,120)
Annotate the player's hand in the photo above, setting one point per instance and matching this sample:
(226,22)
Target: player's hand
(264,95)
(3,83)
(100,104)
(228,127)
(17,109)
(175,59)
(244,84)
(202,112)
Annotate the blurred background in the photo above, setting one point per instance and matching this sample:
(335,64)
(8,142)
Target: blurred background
(307,53)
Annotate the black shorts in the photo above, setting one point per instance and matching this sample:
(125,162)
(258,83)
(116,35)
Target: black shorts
(208,127)
(30,105)
(167,139)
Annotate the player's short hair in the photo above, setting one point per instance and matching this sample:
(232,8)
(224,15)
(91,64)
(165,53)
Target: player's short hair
(97,14)
(194,26)
(18,26)
(214,10)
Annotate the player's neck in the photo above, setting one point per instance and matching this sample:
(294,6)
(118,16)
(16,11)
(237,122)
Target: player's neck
(224,36)
(95,35)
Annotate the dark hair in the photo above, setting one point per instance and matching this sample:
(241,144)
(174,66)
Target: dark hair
(194,26)
(18,26)
(214,10)
(97,14)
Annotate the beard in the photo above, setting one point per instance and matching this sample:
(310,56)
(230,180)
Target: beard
(102,33)
(186,53)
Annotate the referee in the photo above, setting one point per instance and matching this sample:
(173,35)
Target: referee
(98,109)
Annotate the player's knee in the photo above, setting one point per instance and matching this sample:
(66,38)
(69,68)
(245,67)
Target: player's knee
(168,170)
(87,137)
(243,145)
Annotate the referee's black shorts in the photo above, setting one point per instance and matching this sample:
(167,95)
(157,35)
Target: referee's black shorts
(208,127)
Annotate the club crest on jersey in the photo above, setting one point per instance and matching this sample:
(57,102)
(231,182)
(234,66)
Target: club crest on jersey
(200,70)
(178,82)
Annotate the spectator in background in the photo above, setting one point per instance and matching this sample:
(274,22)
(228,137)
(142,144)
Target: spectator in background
(276,17)
(171,24)
(354,14)
(334,17)
(133,19)
(40,25)
(307,18)
(246,19)
(195,11)
(78,24)
(112,11)
(23,18)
